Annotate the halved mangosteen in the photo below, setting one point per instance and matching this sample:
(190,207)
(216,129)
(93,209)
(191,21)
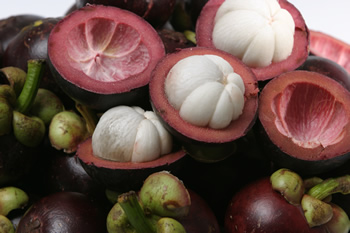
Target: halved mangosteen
(102,56)
(271,37)
(127,145)
(305,123)
(206,98)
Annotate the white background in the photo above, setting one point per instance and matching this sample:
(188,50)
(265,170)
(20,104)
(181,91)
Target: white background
(329,16)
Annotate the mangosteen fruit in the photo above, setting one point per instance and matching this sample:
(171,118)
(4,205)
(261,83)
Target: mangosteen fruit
(325,45)
(11,26)
(63,212)
(327,67)
(271,37)
(174,40)
(282,203)
(206,98)
(156,12)
(304,122)
(102,56)
(127,145)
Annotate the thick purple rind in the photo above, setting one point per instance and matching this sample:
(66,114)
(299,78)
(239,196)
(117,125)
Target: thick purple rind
(123,177)
(303,167)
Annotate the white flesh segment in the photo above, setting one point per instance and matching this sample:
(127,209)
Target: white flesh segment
(188,74)
(245,29)
(237,97)
(115,133)
(166,141)
(204,100)
(200,104)
(147,143)
(223,111)
(130,134)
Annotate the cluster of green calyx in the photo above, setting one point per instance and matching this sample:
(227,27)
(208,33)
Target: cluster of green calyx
(11,198)
(156,208)
(26,109)
(314,195)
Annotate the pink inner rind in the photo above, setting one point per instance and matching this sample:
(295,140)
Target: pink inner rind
(104,49)
(306,115)
(310,115)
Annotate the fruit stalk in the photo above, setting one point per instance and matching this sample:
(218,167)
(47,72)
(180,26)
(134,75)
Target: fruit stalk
(30,88)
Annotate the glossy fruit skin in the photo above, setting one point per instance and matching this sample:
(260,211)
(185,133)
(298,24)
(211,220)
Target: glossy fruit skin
(156,12)
(31,43)
(11,26)
(63,212)
(327,67)
(258,208)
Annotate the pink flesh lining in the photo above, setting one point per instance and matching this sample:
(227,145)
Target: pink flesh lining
(106,50)
(309,115)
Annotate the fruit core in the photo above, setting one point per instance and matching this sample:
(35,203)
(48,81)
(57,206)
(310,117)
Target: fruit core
(205,90)
(130,134)
(259,32)
(310,115)
(106,50)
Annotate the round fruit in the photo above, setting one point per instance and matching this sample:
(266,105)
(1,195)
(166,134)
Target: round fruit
(102,56)
(63,212)
(259,208)
(327,67)
(206,98)
(324,45)
(269,36)
(305,121)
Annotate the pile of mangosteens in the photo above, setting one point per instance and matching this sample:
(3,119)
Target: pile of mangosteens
(173,116)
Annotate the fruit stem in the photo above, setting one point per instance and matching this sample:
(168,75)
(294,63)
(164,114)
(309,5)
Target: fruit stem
(136,216)
(331,186)
(89,116)
(31,85)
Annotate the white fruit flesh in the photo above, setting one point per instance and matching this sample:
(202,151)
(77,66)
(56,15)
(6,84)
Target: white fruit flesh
(206,91)
(258,32)
(130,134)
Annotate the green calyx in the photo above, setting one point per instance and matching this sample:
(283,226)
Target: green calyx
(314,195)
(136,213)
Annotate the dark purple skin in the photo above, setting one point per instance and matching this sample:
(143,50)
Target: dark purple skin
(11,26)
(327,67)
(16,160)
(174,40)
(156,12)
(63,212)
(31,43)
(258,208)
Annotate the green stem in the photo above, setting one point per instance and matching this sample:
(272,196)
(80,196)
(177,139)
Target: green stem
(331,186)
(31,85)
(136,216)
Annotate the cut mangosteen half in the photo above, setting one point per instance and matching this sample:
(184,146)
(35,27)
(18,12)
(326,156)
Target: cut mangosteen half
(305,121)
(269,36)
(206,98)
(102,56)
(126,176)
